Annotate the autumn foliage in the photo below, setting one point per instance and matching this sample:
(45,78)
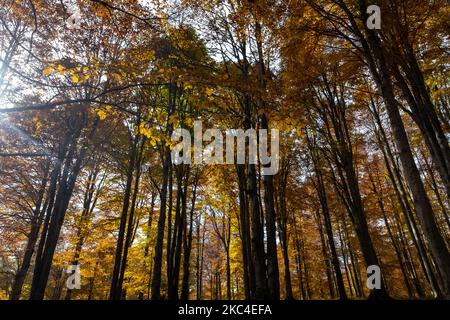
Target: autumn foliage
(91,92)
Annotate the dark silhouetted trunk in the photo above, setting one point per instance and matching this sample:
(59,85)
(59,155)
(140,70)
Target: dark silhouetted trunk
(36,221)
(62,199)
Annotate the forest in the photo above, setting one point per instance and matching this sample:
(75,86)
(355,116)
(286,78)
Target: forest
(94,207)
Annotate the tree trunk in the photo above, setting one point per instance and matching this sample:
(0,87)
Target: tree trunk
(188,246)
(379,70)
(63,196)
(116,288)
(38,214)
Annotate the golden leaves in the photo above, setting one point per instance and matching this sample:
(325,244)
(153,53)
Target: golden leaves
(75,78)
(209,92)
(144,130)
(77,74)
(117,77)
(101,114)
(47,71)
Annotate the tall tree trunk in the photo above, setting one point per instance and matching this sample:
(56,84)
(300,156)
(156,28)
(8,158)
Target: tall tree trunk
(244,230)
(130,233)
(147,243)
(327,221)
(273,278)
(157,260)
(379,69)
(188,246)
(167,163)
(89,202)
(282,226)
(257,231)
(332,109)
(401,194)
(115,292)
(390,233)
(36,221)
(63,197)
(55,176)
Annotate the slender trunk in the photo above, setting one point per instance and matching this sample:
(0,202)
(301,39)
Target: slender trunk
(379,70)
(188,247)
(283,232)
(36,222)
(327,222)
(147,242)
(244,229)
(59,210)
(116,288)
(401,194)
(157,266)
(157,260)
(273,278)
(390,233)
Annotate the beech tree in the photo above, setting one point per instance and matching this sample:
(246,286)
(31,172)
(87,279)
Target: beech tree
(92,93)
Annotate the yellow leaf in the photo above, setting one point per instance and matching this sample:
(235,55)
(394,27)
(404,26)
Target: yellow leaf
(75,78)
(101,114)
(46,72)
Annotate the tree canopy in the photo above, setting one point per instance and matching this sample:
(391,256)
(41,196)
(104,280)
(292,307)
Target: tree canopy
(92,91)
